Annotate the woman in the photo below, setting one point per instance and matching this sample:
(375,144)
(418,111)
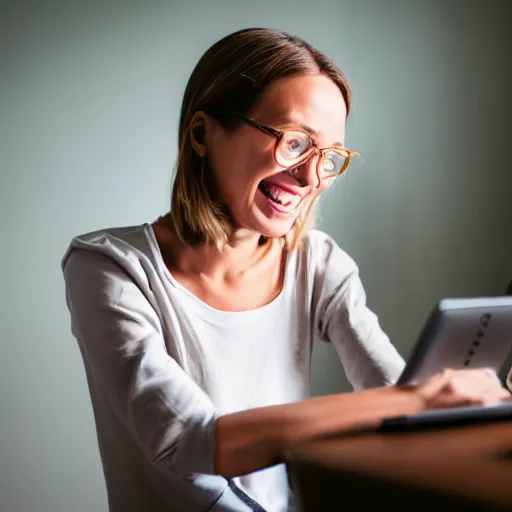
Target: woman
(196,331)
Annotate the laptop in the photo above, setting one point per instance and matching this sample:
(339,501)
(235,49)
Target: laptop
(461,333)
(450,417)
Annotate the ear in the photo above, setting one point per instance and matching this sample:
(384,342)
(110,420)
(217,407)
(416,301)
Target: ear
(198,128)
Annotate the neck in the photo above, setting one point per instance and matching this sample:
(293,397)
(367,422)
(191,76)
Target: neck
(242,250)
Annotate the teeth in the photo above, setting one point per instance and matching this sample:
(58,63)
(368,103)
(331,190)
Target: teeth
(273,192)
(278,195)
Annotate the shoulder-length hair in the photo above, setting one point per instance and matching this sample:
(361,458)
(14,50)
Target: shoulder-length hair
(231,76)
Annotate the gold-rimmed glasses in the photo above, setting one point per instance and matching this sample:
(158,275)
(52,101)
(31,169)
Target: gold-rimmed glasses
(294,147)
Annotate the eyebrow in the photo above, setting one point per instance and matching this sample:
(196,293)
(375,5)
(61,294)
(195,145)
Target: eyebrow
(308,129)
(290,121)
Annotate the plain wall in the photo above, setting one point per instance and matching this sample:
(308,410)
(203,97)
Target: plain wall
(90,96)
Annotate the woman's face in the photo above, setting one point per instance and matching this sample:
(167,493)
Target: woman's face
(243,162)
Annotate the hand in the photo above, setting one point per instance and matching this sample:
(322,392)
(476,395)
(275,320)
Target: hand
(462,387)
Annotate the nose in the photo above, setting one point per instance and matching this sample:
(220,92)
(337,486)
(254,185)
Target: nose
(306,173)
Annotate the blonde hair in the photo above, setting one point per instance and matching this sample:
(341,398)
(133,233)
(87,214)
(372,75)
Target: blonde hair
(231,76)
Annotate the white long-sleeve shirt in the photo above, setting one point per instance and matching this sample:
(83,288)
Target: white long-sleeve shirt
(162,365)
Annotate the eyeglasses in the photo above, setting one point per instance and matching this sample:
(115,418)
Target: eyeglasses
(294,148)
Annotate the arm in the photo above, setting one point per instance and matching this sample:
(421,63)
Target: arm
(121,340)
(255,439)
(251,440)
(341,316)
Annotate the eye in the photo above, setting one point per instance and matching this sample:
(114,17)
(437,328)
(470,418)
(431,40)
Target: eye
(293,145)
(332,162)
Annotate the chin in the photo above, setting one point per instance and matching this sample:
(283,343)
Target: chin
(276,229)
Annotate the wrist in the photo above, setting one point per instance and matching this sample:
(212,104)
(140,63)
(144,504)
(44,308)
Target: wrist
(418,400)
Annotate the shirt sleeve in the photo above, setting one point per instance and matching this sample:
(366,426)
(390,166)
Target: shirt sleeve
(343,318)
(122,343)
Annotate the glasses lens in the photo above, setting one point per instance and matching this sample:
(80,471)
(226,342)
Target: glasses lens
(292,147)
(332,162)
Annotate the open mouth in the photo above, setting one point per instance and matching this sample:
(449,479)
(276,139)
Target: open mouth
(282,199)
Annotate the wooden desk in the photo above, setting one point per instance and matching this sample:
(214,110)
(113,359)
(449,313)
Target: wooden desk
(452,469)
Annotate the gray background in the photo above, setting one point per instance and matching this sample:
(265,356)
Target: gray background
(89,102)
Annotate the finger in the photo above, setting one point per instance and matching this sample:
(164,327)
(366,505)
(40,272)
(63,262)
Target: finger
(433,386)
(489,396)
(506,395)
